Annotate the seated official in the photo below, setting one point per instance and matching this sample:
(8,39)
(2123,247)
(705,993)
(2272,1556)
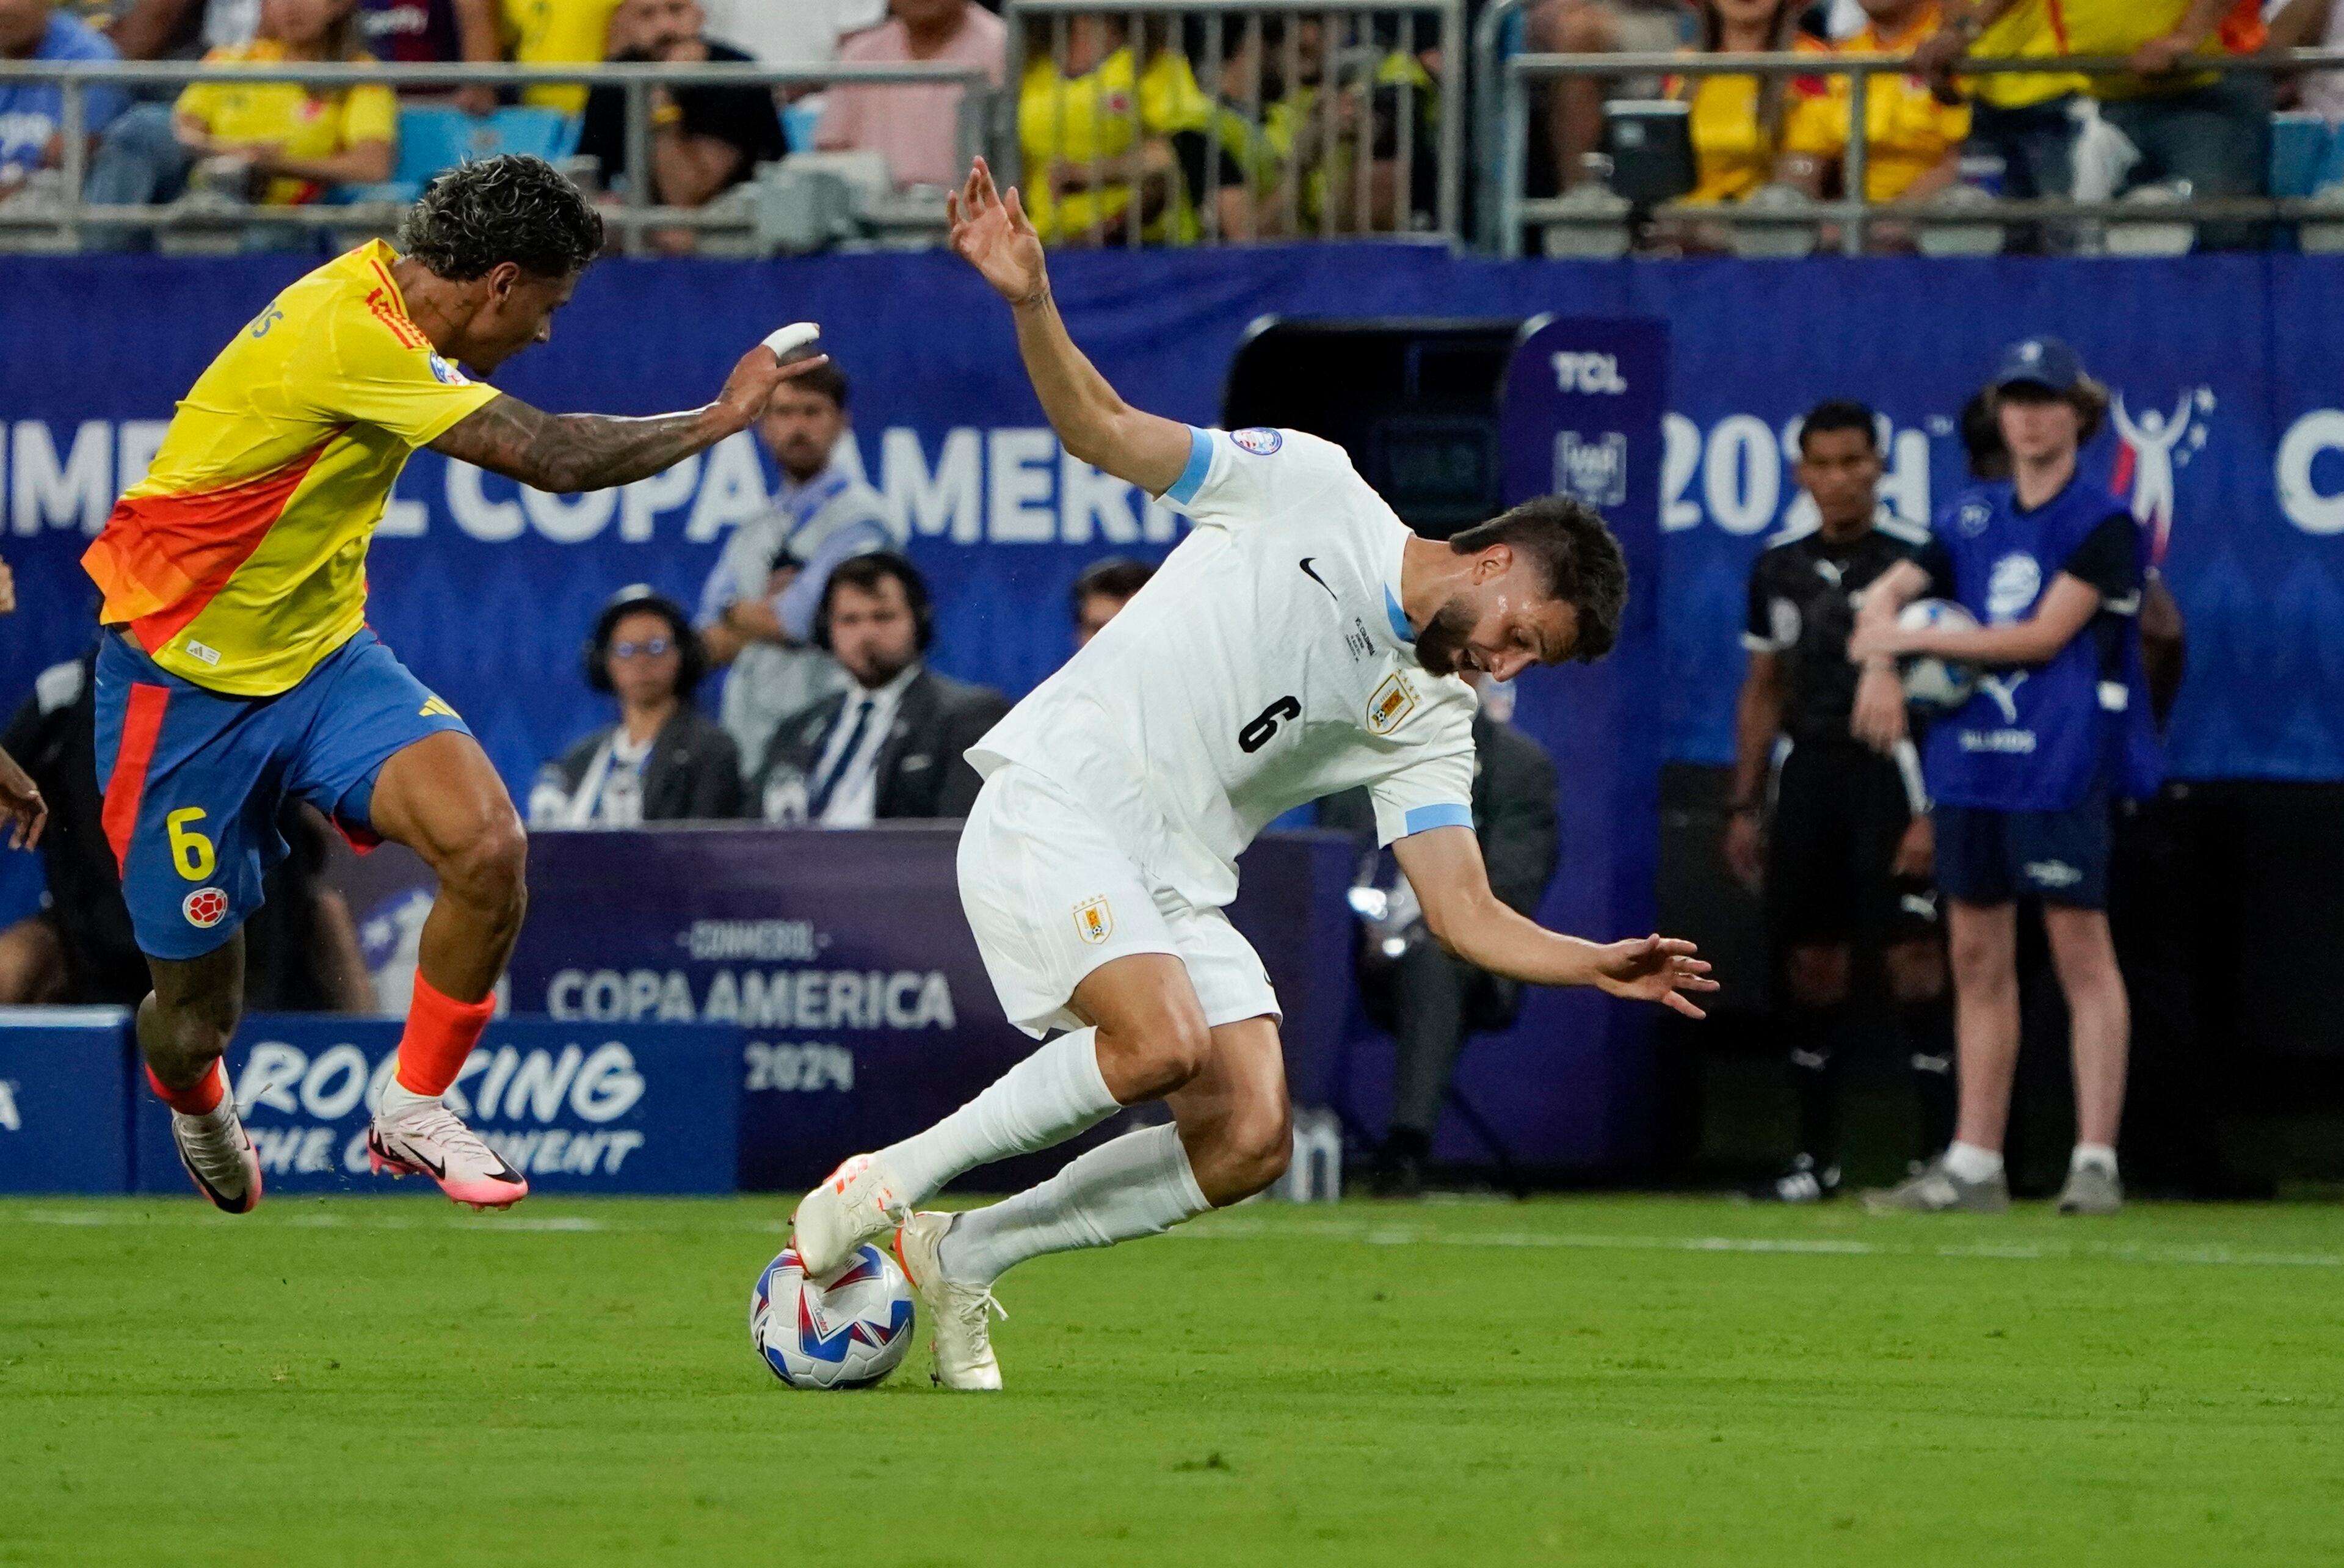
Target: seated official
(892,744)
(1428,1000)
(301,946)
(663,760)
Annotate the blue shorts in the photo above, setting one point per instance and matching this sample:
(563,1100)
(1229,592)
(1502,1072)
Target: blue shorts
(1988,857)
(194,779)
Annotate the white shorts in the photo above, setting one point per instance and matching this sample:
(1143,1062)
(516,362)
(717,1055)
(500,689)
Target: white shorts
(1051,897)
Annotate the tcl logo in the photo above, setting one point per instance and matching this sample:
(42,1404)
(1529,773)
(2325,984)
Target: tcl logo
(1589,373)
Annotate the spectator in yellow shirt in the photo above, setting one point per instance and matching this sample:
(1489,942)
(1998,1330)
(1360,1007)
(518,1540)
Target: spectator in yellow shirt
(1752,131)
(297,140)
(2210,130)
(562,33)
(2027,120)
(1080,120)
(1912,143)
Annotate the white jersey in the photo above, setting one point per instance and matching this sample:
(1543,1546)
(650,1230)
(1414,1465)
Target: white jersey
(1266,664)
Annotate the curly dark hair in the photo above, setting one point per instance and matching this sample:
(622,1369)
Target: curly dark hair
(1578,556)
(513,208)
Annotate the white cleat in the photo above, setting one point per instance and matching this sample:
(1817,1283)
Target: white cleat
(856,1203)
(960,1315)
(429,1139)
(218,1156)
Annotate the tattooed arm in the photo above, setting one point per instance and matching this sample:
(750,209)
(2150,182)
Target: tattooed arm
(564,453)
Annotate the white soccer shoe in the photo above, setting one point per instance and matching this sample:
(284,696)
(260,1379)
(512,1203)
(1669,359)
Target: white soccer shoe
(960,1315)
(856,1203)
(429,1139)
(218,1156)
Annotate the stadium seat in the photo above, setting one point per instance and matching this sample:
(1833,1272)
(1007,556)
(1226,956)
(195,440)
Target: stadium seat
(2303,154)
(800,122)
(435,137)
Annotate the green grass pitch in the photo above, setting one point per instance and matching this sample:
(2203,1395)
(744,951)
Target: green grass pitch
(1662,1382)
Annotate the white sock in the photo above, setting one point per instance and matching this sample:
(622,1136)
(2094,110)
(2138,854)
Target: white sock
(1968,1162)
(1137,1185)
(2100,1154)
(1052,1095)
(398,1099)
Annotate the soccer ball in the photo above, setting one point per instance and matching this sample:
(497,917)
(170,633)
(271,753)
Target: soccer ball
(849,1334)
(1931,682)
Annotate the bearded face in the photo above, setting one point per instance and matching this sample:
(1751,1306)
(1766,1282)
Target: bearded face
(1498,627)
(1439,645)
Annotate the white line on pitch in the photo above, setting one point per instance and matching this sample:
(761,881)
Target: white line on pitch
(2214,1255)
(1235,1228)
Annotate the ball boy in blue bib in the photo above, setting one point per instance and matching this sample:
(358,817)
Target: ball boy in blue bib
(2051,565)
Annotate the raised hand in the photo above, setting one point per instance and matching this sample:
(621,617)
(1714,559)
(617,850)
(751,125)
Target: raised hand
(1655,968)
(992,233)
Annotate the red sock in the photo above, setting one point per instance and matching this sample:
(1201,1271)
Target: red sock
(199,1097)
(441,1033)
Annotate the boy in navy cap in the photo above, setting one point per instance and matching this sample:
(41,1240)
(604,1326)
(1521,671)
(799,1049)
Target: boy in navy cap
(2051,566)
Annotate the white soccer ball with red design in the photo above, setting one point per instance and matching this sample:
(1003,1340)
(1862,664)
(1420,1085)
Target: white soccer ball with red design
(848,1333)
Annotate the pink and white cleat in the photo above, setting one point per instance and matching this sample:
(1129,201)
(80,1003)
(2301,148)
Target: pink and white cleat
(427,1139)
(857,1202)
(218,1156)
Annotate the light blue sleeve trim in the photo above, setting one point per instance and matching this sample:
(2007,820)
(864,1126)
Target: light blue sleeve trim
(1449,814)
(1200,464)
(1400,626)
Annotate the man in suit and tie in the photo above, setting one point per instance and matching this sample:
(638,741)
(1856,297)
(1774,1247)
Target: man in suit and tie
(891,744)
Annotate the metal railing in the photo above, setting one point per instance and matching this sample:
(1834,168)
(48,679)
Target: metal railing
(634,217)
(1349,57)
(1854,211)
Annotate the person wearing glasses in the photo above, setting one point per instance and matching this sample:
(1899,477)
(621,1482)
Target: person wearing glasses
(663,760)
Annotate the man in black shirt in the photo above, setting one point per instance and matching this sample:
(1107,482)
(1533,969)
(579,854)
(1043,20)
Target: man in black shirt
(704,140)
(1846,855)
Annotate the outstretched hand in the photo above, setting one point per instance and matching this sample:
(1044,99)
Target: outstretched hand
(754,381)
(992,233)
(1655,968)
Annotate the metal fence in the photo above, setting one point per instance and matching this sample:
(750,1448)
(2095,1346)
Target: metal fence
(1333,123)
(1515,77)
(634,216)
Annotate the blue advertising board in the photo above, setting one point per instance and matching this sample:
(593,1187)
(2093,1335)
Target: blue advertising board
(1581,416)
(65,1079)
(2229,445)
(576,1107)
(842,960)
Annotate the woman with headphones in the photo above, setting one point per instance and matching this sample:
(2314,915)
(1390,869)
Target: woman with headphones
(663,760)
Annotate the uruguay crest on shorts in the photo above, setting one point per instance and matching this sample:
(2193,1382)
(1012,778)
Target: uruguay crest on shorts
(1093,920)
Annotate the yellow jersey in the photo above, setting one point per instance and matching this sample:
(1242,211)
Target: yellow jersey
(1071,120)
(558,33)
(1732,155)
(302,123)
(239,561)
(1907,132)
(2029,30)
(2120,27)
